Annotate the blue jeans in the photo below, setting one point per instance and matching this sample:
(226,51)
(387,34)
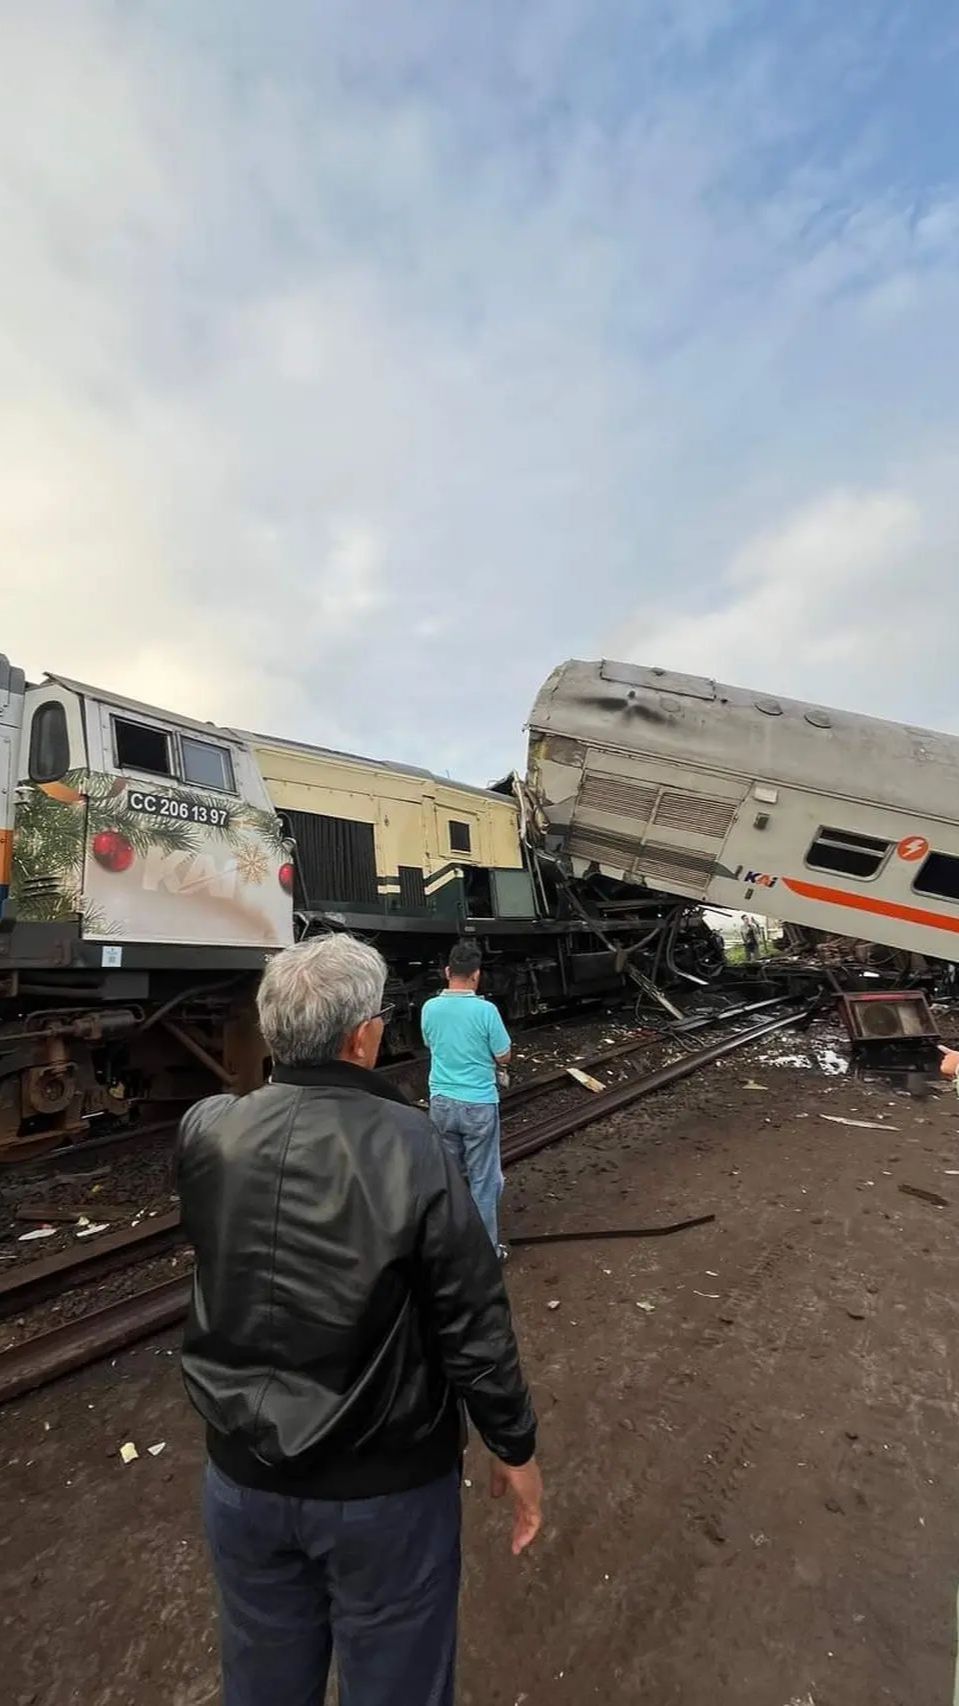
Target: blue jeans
(376,1580)
(470,1131)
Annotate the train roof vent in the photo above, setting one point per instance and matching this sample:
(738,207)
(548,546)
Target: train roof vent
(819,719)
(657,680)
(769,707)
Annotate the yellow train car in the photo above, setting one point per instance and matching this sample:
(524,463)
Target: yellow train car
(390,844)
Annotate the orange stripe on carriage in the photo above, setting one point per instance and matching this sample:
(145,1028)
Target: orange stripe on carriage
(6,854)
(868,903)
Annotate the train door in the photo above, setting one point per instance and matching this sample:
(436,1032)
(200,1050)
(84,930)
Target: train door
(452,837)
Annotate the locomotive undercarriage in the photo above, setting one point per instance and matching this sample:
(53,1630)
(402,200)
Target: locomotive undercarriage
(85,1051)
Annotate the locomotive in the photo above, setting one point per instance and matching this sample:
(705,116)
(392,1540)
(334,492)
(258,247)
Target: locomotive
(150,863)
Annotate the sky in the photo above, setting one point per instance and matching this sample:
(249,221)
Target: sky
(360,363)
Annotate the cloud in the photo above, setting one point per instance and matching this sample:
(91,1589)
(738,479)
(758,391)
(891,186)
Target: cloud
(797,601)
(849,601)
(356,372)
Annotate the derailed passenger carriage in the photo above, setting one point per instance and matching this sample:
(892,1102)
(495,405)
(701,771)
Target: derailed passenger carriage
(836,823)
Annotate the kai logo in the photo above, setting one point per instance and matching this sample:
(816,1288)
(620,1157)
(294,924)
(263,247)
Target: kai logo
(912,848)
(759,880)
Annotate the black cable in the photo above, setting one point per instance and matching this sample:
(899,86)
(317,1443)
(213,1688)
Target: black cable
(611,1232)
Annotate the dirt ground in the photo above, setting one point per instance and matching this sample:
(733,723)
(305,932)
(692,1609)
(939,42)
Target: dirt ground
(749,1434)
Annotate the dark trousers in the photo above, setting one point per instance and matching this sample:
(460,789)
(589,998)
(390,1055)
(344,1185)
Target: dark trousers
(375,1579)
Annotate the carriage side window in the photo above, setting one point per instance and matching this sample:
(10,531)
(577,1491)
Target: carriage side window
(459,837)
(138,747)
(49,743)
(847,852)
(939,875)
(206,765)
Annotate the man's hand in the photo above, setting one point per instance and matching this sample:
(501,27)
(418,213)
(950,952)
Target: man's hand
(949,1065)
(525,1487)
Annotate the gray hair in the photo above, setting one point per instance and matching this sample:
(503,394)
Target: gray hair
(312,995)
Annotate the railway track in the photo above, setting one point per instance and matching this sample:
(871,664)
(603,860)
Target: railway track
(61,1350)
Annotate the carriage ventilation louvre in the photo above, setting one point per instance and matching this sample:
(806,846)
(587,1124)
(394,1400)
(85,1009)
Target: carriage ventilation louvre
(683,866)
(630,856)
(604,845)
(701,814)
(614,794)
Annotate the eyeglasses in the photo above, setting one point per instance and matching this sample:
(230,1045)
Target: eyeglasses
(385,1013)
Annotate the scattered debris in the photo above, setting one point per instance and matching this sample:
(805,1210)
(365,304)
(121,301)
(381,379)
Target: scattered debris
(128,1452)
(38,1232)
(53,1214)
(647,1307)
(91,1228)
(924,1196)
(553,1303)
(749,1085)
(155,1450)
(864,1125)
(81,1178)
(585,1079)
(827,1060)
(713,1296)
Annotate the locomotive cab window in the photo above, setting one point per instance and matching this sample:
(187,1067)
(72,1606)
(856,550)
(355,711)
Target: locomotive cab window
(206,765)
(939,876)
(847,852)
(49,743)
(140,747)
(459,837)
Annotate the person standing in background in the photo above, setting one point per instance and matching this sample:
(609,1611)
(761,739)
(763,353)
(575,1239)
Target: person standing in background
(469,1049)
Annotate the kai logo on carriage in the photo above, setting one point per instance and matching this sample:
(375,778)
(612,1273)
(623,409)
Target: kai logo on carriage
(758,879)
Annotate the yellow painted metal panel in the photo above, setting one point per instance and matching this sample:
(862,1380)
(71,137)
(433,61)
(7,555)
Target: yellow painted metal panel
(411,814)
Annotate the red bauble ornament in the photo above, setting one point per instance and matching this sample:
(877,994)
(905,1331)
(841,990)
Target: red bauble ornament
(112,850)
(285,876)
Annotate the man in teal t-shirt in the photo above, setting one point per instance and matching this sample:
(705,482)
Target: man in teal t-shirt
(468,1043)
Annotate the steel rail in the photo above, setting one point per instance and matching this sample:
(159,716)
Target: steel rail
(611,1101)
(64,1349)
(30,1282)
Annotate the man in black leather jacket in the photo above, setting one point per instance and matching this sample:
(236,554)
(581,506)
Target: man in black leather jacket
(346,1303)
